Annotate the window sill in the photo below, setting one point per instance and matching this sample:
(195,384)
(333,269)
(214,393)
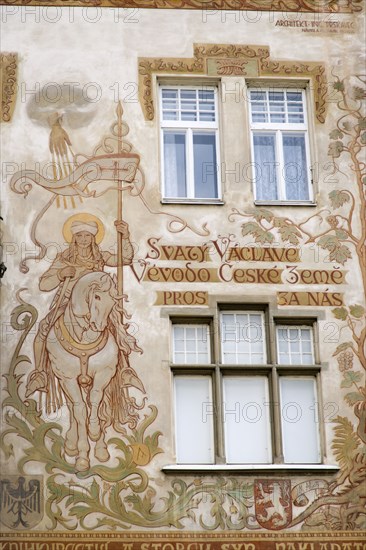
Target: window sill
(321,469)
(285,203)
(192,201)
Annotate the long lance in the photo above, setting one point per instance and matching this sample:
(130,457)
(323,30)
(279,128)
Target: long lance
(119,207)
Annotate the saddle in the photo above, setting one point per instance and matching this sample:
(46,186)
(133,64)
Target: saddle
(79,350)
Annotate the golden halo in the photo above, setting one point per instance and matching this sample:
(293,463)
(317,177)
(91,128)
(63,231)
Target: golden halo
(83,217)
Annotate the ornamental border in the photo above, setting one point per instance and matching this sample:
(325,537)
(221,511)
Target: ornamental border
(198,65)
(305,6)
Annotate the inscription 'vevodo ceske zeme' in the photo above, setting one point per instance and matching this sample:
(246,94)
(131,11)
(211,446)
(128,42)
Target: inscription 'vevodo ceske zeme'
(226,273)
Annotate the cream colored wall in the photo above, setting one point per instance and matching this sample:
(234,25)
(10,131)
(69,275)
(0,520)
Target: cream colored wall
(106,53)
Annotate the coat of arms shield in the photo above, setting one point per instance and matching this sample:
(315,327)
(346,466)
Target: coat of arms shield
(273,504)
(21,501)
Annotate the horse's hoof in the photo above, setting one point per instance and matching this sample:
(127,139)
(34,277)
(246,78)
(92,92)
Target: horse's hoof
(94,434)
(102,454)
(71,451)
(82,464)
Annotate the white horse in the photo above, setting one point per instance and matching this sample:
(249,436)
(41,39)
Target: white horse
(85,357)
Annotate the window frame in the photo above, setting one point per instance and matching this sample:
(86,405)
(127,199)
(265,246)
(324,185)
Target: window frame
(189,127)
(270,368)
(278,130)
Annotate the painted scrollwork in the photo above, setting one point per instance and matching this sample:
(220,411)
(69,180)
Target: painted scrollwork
(198,65)
(8,75)
(311,6)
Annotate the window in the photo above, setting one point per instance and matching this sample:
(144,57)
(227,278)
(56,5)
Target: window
(280,148)
(189,138)
(243,408)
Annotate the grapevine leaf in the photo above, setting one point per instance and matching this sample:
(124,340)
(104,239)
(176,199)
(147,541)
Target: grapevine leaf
(262,214)
(249,227)
(335,149)
(343,346)
(363,137)
(362,123)
(340,234)
(340,254)
(328,242)
(259,234)
(353,397)
(357,311)
(338,198)
(350,377)
(280,222)
(290,234)
(340,313)
(347,125)
(336,134)
(338,85)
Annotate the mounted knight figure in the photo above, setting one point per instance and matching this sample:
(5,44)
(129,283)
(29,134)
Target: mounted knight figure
(82,347)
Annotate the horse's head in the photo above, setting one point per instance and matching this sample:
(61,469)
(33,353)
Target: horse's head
(93,298)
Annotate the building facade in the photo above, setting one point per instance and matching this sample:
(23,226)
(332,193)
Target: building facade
(183,309)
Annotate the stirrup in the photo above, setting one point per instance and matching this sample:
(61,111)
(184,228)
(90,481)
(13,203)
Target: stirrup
(37,381)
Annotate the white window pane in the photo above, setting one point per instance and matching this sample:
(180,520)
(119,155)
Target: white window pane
(175,164)
(276,96)
(294,96)
(189,115)
(242,333)
(191,344)
(259,106)
(172,94)
(206,95)
(295,345)
(257,95)
(194,419)
(300,428)
(246,419)
(187,94)
(179,345)
(284,359)
(205,165)
(283,346)
(265,166)
(295,168)
(191,333)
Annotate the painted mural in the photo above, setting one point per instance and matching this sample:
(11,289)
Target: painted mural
(81,444)
(83,355)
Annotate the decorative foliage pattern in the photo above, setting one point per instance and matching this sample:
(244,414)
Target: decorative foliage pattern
(312,6)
